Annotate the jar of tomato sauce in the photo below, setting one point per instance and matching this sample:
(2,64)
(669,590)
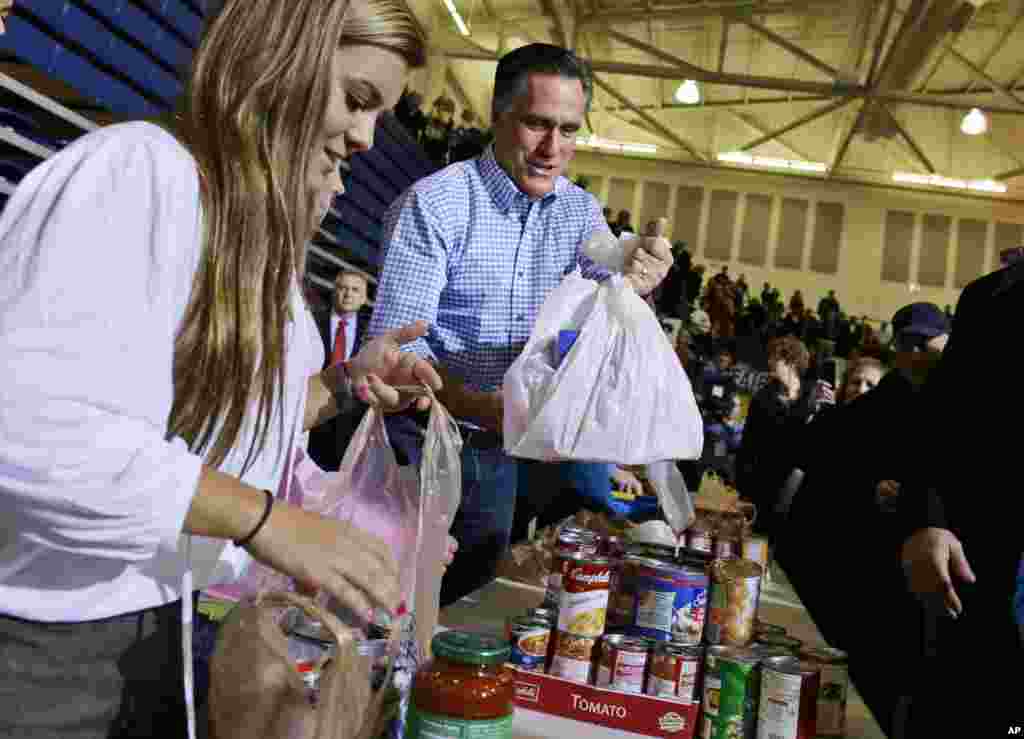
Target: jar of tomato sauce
(464,692)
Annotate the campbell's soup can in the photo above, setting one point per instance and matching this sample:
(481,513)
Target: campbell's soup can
(674,671)
(529,640)
(584,602)
(573,657)
(571,541)
(789,699)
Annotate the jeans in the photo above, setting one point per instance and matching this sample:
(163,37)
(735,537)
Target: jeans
(483,524)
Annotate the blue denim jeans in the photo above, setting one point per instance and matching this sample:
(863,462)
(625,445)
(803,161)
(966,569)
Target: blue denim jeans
(483,524)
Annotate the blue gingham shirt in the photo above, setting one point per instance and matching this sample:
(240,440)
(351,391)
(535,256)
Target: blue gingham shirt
(472,255)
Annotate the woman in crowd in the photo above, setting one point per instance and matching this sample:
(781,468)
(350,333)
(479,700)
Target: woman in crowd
(862,376)
(774,429)
(160,363)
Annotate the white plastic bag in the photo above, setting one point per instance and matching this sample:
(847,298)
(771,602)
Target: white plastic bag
(620,395)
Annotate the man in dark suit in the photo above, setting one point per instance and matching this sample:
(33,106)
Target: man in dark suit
(342,329)
(963,555)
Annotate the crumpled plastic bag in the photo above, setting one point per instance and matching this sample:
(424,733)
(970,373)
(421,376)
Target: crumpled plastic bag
(619,395)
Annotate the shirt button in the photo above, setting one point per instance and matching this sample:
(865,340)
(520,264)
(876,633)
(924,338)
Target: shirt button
(522,274)
(520,317)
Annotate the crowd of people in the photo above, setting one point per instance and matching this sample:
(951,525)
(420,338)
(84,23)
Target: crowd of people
(152,414)
(442,140)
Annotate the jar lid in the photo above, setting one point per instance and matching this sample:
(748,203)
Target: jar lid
(470,649)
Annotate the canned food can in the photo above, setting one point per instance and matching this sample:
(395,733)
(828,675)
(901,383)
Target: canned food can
(789,699)
(530,644)
(833,689)
(584,600)
(573,657)
(605,662)
(543,614)
(735,589)
(624,664)
(739,693)
(669,601)
(724,548)
(612,547)
(789,643)
(755,548)
(712,688)
(674,671)
(571,541)
(309,648)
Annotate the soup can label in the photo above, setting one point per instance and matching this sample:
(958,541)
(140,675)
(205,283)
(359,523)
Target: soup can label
(779,713)
(584,600)
(530,645)
(673,674)
(572,658)
(670,603)
(629,665)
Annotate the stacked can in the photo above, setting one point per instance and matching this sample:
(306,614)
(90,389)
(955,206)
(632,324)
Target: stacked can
(674,671)
(833,690)
(529,637)
(571,540)
(581,615)
(789,699)
(623,664)
(735,591)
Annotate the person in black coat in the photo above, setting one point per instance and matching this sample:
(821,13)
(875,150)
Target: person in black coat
(343,330)
(672,297)
(965,510)
(855,464)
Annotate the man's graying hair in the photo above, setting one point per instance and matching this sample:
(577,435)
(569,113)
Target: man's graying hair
(515,67)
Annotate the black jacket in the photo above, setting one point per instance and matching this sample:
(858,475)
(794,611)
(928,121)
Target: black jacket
(327,442)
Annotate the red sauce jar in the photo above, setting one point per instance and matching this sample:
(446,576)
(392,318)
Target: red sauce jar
(464,691)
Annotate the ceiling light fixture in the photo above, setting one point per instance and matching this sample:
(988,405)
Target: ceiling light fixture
(749,160)
(457,17)
(937,180)
(688,93)
(974,123)
(593,141)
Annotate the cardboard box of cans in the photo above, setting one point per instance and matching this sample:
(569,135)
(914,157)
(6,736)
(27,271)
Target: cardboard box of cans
(661,642)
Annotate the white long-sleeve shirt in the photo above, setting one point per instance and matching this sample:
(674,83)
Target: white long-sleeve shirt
(98,249)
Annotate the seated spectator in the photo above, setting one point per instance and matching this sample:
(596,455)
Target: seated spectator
(623,224)
(410,115)
(774,429)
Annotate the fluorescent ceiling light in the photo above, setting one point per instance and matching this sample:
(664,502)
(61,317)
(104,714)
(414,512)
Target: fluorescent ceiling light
(456,16)
(937,180)
(688,93)
(974,123)
(595,142)
(749,160)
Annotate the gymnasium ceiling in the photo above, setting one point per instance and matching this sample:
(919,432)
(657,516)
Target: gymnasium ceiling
(864,88)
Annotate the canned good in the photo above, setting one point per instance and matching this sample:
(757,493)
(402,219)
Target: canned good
(669,601)
(755,548)
(652,551)
(789,643)
(833,689)
(310,646)
(738,696)
(764,651)
(529,640)
(735,589)
(789,699)
(623,664)
(611,546)
(724,548)
(674,671)
(761,628)
(712,687)
(699,539)
(584,600)
(572,540)
(572,657)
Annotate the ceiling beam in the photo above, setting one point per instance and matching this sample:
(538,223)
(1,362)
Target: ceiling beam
(723,44)
(883,36)
(984,76)
(702,10)
(909,141)
(552,12)
(684,66)
(802,121)
(999,44)
(860,34)
(846,138)
(1013,173)
(789,46)
(650,120)
(757,126)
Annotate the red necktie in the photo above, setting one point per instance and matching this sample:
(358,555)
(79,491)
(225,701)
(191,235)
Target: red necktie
(338,355)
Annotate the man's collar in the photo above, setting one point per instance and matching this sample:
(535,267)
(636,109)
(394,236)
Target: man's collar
(502,188)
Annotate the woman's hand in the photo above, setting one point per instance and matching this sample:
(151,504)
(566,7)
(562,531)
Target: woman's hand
(824,394)
(381,366)
(627,482)
(355,567)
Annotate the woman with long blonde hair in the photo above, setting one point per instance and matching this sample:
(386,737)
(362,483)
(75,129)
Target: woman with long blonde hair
(159,363)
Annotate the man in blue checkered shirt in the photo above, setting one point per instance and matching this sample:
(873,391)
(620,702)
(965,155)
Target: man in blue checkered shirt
(474,250)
